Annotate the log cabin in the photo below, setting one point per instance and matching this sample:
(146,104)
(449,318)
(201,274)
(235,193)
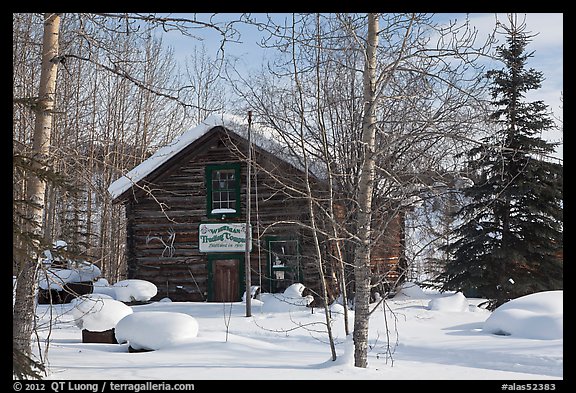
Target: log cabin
(186,216)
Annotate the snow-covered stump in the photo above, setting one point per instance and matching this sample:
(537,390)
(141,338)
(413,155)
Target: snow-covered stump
(103,337)
(135,291)
(152,330)
(97,316)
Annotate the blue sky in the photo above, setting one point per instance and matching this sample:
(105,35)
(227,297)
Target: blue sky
(547,46)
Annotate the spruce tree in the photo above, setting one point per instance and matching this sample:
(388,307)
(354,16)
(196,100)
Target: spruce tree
(509,240)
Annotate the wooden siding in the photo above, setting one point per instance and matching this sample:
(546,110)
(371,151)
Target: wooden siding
(387,254)
(163,225)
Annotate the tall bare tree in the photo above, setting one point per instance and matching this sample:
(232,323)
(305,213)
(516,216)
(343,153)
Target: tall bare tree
(24,303)
(362,268)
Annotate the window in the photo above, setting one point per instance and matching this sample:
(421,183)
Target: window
(284,262)
(223,190)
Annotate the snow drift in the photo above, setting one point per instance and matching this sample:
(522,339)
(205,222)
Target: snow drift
(537,316)
(456,302)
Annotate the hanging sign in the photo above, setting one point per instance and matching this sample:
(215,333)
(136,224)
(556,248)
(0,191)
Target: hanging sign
(228,237)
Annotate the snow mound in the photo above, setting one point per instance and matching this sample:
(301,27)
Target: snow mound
(103,287)
(536,316)
(134,290)
(294,290)
(155,330)
(290,300)
(294,294)
(98,312)
(254,293)
(337,308)
(410,290)
(452,303)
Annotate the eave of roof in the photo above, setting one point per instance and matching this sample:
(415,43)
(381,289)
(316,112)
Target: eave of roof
(264,138)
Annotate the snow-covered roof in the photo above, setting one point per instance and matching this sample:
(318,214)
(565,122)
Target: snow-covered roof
(265,138)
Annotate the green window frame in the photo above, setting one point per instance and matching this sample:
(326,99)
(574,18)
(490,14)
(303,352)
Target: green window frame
(282,272)
(223,190)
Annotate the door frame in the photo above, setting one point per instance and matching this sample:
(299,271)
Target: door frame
(241,273)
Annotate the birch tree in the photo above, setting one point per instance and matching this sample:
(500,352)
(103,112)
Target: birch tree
(24,305)
(365,192)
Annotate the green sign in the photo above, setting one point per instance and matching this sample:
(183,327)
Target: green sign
(226,237)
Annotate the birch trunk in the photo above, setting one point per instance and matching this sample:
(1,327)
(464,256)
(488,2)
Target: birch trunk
(311,202)
(23,312)
(366,186)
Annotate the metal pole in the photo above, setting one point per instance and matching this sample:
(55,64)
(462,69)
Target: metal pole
(247,272)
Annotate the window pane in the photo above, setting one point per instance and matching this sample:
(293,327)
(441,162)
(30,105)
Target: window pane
(223,179)
(224,185)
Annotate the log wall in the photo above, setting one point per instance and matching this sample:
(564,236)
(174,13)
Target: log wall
(162,244)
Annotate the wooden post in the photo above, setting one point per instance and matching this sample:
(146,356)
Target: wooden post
(247,273)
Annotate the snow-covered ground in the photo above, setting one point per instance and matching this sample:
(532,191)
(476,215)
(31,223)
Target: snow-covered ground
(422,335)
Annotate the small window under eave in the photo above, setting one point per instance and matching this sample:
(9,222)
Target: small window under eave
(223,190)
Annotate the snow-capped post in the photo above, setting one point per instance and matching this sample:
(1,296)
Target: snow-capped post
(248,278)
